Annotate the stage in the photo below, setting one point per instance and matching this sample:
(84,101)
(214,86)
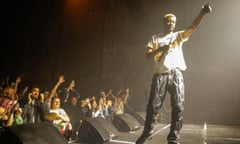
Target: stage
(191,134)
(123,129)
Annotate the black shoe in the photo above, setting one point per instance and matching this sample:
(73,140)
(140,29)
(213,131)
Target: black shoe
(173,142)
(141,140)
(144,137)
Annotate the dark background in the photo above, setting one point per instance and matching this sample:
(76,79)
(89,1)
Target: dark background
(101,45)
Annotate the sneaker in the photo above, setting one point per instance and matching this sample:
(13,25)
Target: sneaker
(173,142)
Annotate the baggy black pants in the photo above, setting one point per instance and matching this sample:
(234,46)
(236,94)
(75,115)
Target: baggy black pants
(162,83)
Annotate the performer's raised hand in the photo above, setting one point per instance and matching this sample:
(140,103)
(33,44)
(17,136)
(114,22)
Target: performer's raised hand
(206,8)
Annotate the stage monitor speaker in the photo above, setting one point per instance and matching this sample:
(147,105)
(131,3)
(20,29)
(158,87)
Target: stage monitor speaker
(38,133)
(139,116)
(96,131)
(126,123)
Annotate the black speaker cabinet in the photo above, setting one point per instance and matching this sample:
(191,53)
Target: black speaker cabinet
(126,123)
(38,133)
(96,131)
(139,116)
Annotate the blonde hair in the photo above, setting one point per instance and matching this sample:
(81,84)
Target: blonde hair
(170,15)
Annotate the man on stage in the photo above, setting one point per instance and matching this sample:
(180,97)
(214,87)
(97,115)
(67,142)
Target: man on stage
(166,50)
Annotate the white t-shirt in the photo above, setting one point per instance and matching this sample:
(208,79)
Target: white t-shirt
(173,57)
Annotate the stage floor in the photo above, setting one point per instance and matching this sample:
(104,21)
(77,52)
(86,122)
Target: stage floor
(190,134)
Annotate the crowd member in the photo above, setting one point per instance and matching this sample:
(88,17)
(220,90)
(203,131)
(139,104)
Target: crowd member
(126,96)
(73,110)
(118,105)
(53,92)
(99,112)
(103,95)
(70,91)
(93,101)
(94,106)
(33,109)
(126,101)
(7,109)
(108,110)
(23,98)
(61,120)
(11,91)
(10,109)
(17,117)
(86,108)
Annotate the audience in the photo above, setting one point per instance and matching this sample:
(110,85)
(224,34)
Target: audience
(62,107)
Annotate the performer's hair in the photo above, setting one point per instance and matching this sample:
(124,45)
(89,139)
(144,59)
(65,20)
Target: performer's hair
(169,15)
